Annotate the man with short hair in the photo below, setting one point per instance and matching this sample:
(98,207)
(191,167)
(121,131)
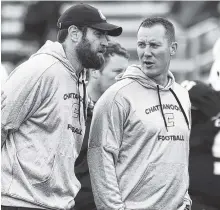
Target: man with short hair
(44,115)
(116,61)
(139,137)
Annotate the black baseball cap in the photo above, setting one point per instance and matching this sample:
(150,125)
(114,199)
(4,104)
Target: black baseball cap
(86,15)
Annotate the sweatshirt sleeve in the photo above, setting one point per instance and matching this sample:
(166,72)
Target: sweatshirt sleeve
(187,200)
(105,138)
(22,99)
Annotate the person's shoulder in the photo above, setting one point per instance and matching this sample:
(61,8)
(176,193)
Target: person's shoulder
(119,89)
(114,94)
(51,68)
(33,68)
(45,62)
(121,86)
(198,89)
(180,90)
(182,94)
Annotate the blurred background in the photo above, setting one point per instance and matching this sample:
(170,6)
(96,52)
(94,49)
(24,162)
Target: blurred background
(26,25)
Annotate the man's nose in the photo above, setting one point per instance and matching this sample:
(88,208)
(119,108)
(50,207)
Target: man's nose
(104,41)
(147,51)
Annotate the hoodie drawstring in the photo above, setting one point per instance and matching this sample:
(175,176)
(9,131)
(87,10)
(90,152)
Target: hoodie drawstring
(79,102)
(84,99)
(184,114)
(175,96)
(161,108)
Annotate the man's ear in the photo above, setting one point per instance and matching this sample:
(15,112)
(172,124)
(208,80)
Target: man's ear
(74,33)
(94,73)
(173,48)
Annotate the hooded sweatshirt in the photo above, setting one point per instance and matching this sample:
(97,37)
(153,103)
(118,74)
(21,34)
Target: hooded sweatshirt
(43,122)
(138,153)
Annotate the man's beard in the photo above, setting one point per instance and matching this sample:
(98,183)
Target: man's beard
(88,57)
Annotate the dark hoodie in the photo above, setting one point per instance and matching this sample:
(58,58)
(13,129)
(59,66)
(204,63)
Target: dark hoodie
(204,144)
(138,153)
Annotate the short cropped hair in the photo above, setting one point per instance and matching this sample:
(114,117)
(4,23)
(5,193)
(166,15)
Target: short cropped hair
(152,21)
(114,48)
(62,34)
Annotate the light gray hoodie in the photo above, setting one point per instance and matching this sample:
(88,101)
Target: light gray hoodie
(44,124)
(138,153)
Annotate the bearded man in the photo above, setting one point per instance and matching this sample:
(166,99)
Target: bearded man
(43,121)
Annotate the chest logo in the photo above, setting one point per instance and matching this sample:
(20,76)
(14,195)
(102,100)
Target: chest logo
(169,117)
(75,110)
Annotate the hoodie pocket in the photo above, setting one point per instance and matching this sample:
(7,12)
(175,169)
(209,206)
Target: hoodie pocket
(36,165)
(161,184)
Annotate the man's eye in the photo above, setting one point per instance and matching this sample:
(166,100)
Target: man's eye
(98,34)
(141,45)
(118,70)
(153,45)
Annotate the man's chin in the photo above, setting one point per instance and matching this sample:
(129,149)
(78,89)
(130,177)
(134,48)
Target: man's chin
(151,72)
(147,69)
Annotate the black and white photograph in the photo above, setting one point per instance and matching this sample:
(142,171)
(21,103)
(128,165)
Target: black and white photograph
(110,105)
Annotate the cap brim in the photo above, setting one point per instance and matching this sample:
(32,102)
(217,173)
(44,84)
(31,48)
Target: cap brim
(112,30)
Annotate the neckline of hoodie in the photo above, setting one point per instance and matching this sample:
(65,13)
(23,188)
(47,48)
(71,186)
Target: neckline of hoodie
(148,81)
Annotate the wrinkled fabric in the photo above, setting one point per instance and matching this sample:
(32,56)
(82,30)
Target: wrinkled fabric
(45,127)
(134,161)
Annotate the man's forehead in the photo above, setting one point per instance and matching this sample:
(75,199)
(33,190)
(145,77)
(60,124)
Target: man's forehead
(117,60)
(156,32)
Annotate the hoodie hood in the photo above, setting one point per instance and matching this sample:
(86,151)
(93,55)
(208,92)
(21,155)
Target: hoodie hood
(134,72)
(56,50)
